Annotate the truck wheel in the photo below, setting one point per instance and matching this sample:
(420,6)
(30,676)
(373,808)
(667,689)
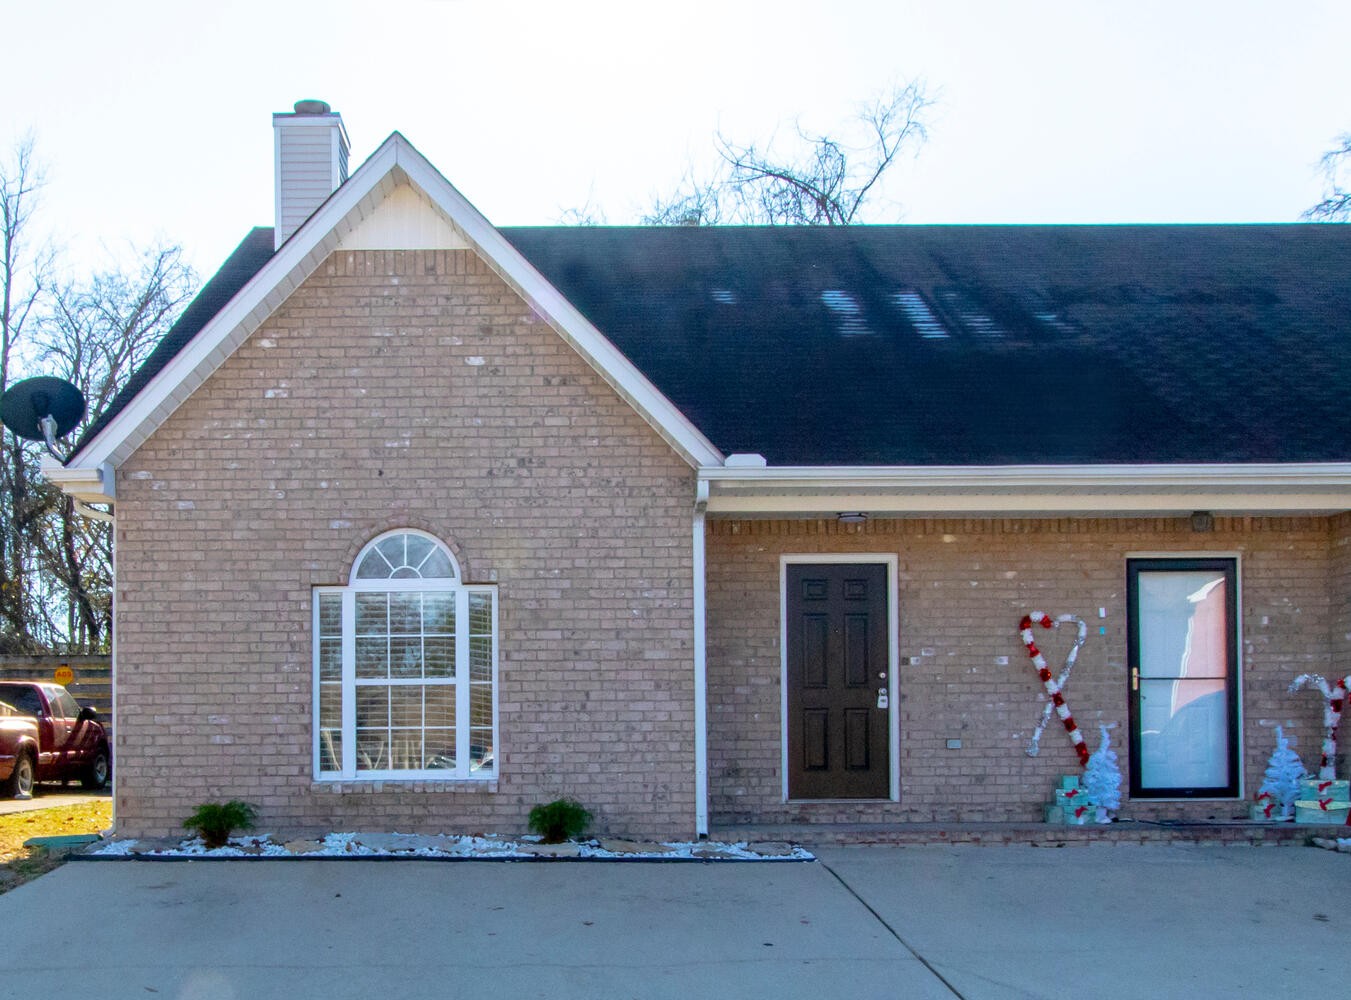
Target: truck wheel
(96,775)
(20,783)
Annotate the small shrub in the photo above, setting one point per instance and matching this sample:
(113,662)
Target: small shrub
(215,821)
(560,820)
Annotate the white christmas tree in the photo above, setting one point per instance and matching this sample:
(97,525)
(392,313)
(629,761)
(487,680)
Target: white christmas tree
(1280,787)
(1102,779)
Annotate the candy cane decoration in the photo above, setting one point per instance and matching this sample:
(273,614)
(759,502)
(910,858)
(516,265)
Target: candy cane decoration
(1335,695)
(1054,685)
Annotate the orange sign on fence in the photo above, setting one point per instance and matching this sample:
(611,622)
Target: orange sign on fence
(63,674)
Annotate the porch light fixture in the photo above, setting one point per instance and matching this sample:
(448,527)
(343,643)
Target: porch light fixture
(1202,521)
(851,517)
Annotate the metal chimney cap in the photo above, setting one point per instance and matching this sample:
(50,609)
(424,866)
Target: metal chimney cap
(312,108)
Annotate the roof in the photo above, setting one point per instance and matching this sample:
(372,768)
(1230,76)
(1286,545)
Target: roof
(980,345)
(955,345)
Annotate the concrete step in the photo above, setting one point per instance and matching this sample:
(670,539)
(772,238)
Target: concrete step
(1037,834)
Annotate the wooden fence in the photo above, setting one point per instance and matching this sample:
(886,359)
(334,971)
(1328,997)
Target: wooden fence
(92,683)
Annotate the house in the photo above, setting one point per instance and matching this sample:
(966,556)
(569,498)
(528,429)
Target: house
(421,522)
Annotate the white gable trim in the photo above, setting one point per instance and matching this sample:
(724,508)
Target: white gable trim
(394,163)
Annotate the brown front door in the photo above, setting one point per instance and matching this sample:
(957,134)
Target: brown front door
(838,739)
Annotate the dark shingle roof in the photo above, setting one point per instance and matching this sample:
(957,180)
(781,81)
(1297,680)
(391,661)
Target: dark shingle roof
(984,345)
(957,345)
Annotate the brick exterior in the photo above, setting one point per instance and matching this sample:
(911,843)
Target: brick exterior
(964,584)
(415,389)
(398,389)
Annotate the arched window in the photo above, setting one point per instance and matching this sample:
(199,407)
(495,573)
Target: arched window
(405,667)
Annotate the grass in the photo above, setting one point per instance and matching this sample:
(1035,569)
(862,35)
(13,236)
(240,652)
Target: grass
(19,864)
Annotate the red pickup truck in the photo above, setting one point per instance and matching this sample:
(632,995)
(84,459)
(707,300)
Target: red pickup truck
(46,736)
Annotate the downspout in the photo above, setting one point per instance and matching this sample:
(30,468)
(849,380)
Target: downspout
(109,478)
(700,668)
(92,513)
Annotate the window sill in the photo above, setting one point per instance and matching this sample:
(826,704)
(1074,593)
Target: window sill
(369,786)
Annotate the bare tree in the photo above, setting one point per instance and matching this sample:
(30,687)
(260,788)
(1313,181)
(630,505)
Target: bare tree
(24,273)
(824,181)
(1336,167)
(95,334)
(56,566)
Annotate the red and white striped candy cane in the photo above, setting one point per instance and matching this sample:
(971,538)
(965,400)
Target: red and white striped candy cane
(1335,697)
(1052,684)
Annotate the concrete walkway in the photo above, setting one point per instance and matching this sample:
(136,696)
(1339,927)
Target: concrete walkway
(979,923)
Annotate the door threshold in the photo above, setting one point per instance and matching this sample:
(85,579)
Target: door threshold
(839,802)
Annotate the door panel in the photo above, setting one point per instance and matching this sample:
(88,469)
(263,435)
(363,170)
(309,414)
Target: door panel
(815,739)
(837,661)
(815,642)
(856,738)
(1183,652)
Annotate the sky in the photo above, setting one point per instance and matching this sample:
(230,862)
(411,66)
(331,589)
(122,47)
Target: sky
(153,119)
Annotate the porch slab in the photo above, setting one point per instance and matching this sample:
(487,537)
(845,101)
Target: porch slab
(1208,834)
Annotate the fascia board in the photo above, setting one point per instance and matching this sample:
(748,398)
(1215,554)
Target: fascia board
(90,485)
(1031,490)
(559,313)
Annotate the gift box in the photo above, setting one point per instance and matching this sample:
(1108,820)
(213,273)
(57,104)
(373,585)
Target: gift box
(1069,782)
(1312,789)
(1257,812)
(1085,814)
(1070,799)
(1055,815)
(1324,812)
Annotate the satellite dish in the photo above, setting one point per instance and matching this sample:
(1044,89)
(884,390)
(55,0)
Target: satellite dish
(42,409)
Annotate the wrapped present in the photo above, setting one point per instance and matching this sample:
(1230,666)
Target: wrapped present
(1055,815)
(1266,808)
(1080,815)
(1071,798)
(1069,782)
(1264,812)
(1324,812)
(1311,789)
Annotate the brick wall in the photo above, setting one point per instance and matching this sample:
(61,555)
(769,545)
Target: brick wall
(408,389)
(964,585)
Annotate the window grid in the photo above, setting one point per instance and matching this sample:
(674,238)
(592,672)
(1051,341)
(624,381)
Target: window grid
(407,666)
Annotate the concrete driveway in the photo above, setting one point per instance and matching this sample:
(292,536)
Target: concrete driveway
(50,796)
(864,922)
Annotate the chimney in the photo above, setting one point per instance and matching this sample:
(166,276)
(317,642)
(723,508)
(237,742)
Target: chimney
(311,162)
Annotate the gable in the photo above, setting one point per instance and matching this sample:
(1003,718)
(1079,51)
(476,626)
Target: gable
(352,212)
(404,220)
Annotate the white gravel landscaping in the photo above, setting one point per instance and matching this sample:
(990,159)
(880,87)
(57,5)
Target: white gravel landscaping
(407,845)
(1342,844)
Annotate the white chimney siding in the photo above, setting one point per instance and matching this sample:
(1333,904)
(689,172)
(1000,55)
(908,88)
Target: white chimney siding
(311,158)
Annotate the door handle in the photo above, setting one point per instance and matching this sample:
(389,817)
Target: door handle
(1135,678)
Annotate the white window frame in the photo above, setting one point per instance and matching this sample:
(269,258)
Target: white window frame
(348,594)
